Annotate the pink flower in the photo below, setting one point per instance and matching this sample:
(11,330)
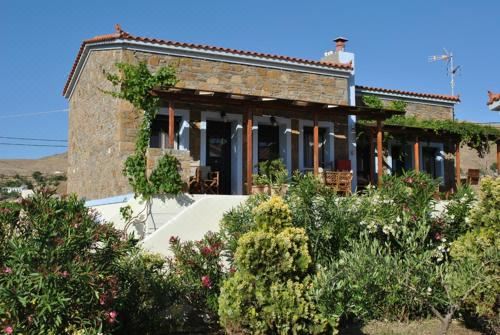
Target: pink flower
(437,236)
(206,282)
(65,274)
(8,330)
(7,270)
(112,316)
(205,251)
(409,180)
(174,240)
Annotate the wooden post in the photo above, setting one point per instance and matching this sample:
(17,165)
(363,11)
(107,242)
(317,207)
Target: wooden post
(171,124)
(416,155)
(372,158)
(316,144)
(457,164)
(380,165)
(249,150)
(498,157)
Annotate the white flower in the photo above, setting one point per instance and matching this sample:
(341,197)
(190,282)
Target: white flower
(398,219)
(443,240)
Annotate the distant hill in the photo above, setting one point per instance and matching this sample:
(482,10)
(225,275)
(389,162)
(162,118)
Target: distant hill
(48,166)
(25,167)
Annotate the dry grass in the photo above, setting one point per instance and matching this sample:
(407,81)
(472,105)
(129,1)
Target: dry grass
(25,167)
(424,327)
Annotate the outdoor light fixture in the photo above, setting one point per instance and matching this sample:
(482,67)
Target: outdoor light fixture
(274,123)
(223,116)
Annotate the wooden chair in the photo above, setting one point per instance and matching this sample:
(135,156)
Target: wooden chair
(195,182)
(341,181)
(331,178)
(473,176)
(211,182)
(344,182)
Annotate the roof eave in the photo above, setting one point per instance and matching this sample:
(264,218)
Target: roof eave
(416,96)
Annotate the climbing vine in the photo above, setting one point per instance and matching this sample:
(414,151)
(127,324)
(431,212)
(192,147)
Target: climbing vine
(475,136)
(135,84)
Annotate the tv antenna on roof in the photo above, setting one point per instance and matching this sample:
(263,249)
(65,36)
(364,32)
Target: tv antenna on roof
(450,68)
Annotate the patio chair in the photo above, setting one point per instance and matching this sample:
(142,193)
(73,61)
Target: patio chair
(473,176)
(331,178)
(344,182)
(195,182)
(210,181)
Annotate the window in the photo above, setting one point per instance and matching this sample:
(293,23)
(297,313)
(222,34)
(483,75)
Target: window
(159,132)
(429,161)
(309,150)
(269,143)
(400,158)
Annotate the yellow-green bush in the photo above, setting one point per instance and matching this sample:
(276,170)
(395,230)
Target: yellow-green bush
(479,249)
(271,290)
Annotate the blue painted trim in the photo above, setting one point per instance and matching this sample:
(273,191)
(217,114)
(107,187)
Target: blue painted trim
(110,200)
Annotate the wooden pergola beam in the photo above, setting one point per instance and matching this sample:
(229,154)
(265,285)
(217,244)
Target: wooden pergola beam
(245,100)
(416,155)
(316,144)
(380,166)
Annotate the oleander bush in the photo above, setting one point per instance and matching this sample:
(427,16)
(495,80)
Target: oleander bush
(64,272)
(272,290)
(197,268)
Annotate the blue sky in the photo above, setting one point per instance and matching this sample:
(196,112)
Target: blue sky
(391,39)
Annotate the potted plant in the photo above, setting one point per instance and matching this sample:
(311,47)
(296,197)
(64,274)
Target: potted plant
(272,178)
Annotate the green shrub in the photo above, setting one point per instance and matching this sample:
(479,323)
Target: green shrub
(64,272)
(57,264)
(480,248)
(271,290)
(329,220)
(453,221)
(237,222)
(371,281)
(166,179)
(272,173)
(197,269)
(149,294)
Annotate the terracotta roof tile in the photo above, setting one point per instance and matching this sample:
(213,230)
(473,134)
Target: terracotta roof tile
(120,34)
(493,97)
(415,94)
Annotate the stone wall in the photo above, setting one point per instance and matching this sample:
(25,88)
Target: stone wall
(245,79)
(94,155)
(421,110)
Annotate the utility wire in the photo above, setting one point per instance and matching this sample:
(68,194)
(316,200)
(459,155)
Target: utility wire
(31,114)
(32,139)
(35,145)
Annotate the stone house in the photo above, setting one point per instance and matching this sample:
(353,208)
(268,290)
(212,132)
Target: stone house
(232,109)
(494,101)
